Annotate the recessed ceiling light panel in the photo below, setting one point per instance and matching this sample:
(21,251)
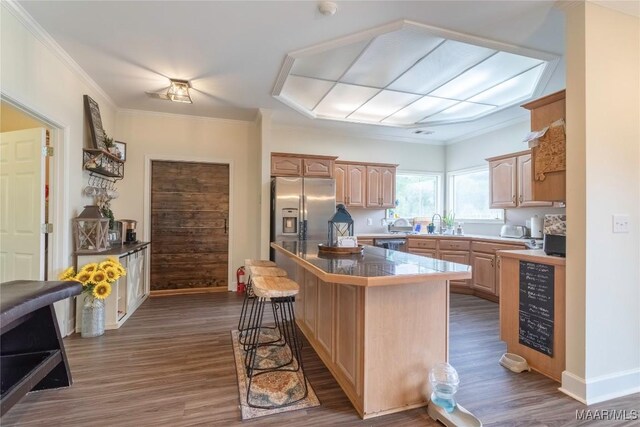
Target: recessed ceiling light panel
(407,74)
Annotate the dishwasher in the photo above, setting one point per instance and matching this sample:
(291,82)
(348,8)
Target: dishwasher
(396,244)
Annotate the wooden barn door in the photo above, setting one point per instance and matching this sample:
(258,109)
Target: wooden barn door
(189,226)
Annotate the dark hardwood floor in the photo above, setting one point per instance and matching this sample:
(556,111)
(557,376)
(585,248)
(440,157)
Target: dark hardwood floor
(172,364)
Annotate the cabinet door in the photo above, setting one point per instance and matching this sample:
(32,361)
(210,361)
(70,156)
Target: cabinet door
(484,272)
(324,326)
(340,172)
(356,185)
(459,257)
(373,187)
(424,252)
(525,181)
(503,183)
(388,187)
(310,301)
(319,168)
(286,166)
(349,336)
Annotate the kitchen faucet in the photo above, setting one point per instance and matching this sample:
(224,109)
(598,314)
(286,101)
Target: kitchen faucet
(433,221)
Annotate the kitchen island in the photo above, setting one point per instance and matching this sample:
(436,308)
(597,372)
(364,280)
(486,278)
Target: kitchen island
(379,321)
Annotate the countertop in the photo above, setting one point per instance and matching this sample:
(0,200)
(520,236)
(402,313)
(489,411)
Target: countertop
(375,267)
(118,249)
(535,255)
(479,237)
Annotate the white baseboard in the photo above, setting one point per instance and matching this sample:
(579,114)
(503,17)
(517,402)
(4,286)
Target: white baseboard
(602,388)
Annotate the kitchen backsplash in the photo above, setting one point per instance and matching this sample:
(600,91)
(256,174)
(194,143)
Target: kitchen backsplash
(360,217)
(520,216)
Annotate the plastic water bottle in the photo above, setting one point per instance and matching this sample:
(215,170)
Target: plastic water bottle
(444,382)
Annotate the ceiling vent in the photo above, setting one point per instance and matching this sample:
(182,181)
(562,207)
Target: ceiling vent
(406,74)
(423,132)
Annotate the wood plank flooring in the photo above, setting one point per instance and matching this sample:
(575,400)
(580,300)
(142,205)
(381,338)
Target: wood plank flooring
(172,364)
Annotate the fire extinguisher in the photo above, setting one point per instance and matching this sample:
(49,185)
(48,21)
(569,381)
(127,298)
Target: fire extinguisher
(240,276)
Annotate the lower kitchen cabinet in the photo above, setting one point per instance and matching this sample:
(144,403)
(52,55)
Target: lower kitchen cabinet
(128,292)
(484,272)
(480,254)
(459,257)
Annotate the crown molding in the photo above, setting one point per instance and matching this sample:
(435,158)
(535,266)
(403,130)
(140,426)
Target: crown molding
(488,129)
(185,116)
(45,38)
(351,134)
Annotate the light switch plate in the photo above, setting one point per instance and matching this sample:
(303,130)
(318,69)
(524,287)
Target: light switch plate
(620,223)
(369,221)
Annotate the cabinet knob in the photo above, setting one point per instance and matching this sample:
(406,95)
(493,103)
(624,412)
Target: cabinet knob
(513,199)
(491,262)
(521,198)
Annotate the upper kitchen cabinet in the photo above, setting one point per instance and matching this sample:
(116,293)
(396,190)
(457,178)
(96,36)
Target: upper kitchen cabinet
(287,164)
(510,181)
(351,180)
(503,182)
(381,186)
(551,184)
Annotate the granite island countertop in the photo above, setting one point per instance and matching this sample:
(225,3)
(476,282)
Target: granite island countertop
(374,267)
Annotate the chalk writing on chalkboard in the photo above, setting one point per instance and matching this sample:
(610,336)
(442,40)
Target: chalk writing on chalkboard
(536,306)
(95,122)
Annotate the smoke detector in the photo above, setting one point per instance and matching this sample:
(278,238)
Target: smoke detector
(327,8)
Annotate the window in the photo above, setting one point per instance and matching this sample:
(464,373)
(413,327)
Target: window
(469,196)
(418,194)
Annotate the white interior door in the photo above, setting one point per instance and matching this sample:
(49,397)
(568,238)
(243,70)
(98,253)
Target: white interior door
(22,186)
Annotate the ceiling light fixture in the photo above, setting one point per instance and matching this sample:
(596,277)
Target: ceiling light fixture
(179,91)
(327,8)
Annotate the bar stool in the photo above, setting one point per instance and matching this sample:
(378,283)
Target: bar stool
(248,293)
(281,291)
(247,315)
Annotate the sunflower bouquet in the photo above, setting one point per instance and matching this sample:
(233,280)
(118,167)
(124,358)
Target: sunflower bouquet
(96,278)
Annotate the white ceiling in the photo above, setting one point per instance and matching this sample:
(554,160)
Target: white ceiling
(232,51)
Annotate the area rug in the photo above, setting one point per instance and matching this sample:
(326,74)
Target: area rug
(274,388)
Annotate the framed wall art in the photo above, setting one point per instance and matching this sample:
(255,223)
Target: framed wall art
(119,150)
(95,123)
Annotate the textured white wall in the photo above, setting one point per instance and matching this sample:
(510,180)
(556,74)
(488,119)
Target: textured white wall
(603,148)
(37,79)
(170,135)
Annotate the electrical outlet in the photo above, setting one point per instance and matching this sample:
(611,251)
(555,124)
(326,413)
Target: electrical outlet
(620,223)
(369,221)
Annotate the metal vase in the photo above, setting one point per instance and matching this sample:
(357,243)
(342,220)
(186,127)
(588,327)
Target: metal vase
(92,318)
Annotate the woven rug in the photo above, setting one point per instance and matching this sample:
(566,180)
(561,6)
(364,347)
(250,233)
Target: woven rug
(274,388)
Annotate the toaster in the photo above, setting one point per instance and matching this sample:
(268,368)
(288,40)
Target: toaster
(513,231)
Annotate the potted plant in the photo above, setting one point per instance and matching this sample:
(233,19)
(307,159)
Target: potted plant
(448,220)
(96,279)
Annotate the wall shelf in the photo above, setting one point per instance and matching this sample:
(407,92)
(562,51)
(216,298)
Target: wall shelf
(102,163)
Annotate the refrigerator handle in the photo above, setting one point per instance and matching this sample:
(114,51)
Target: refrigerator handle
(303,214)
(301,233)
(304,229)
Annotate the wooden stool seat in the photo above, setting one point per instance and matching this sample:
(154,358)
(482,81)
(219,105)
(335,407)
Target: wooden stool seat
(266,271)
(274,287)
(259,263)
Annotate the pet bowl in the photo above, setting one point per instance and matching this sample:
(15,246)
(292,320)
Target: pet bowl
(514,363)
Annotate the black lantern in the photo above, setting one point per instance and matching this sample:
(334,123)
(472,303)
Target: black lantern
(340,224)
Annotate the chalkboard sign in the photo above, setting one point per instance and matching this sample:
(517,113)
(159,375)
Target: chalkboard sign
(92,111)
(536,306)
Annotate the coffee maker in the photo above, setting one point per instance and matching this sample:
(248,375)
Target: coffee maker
(128,230)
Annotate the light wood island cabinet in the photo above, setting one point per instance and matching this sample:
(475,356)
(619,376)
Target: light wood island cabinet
(355,316)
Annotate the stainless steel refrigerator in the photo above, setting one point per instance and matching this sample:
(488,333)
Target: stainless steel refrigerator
(301,208)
